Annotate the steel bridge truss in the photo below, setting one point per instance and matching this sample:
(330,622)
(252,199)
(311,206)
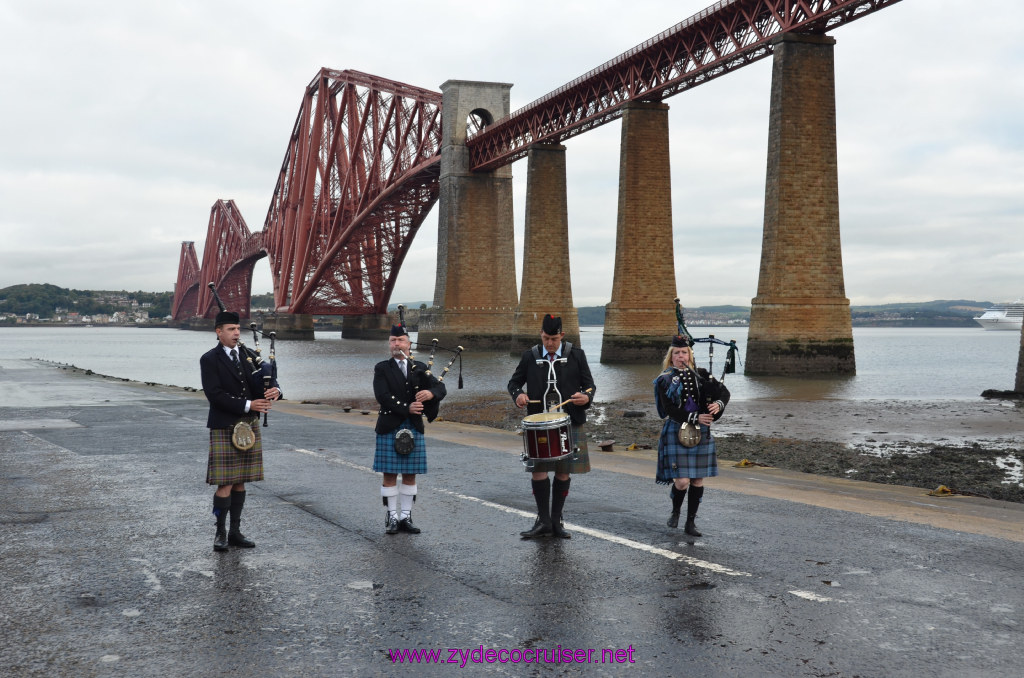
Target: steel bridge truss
(186,288)
(362,167)
(360,175)
(721,38)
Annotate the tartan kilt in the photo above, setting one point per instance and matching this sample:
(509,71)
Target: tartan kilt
(227,466)
(386,460)
(580,465)
(676,461)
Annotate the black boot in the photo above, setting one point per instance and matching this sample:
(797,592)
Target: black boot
(221,505)
(542,526)
(235,536)
(559,491)
(691,511)
(677,503)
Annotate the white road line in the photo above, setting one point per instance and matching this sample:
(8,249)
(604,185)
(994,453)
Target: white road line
(807,595)
(597,534)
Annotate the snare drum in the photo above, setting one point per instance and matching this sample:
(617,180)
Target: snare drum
(547,436)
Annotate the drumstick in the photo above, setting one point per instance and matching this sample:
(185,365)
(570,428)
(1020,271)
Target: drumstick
(565,402)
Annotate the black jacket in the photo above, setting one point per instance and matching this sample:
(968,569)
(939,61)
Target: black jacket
(395,394)
(226,390)
(571,376)
(702,387)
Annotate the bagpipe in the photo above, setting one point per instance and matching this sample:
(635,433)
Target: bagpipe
(253,356)
(456,352)
(731,355)
(431,407)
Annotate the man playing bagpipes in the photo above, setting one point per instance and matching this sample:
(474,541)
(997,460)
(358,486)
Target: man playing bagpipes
(406,392)
(235,387)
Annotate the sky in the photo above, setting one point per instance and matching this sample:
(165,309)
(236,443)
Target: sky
(121,124)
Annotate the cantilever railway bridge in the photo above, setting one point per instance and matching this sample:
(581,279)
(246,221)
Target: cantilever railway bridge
(361,170)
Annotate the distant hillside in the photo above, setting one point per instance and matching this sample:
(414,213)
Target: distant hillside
(46,300)
(940,313)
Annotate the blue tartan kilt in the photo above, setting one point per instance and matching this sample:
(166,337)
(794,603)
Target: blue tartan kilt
(228,466)
(386,460)
(676,461)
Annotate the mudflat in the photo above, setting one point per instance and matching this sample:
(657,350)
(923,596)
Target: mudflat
(972,447)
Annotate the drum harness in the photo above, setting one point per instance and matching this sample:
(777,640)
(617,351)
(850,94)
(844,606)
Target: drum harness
(552,386)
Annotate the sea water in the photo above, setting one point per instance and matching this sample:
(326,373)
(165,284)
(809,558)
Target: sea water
(892,363)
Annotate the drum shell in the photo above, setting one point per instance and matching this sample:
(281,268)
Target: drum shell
(548,436)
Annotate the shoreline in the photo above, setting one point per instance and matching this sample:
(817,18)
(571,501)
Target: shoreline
(972,447)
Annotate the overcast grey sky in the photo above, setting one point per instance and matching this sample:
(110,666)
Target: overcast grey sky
(122,122)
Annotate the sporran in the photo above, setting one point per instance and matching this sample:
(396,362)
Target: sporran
(242,436)
(689,435)
(405,442)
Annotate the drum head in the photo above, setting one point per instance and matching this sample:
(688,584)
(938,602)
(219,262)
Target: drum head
(545,419)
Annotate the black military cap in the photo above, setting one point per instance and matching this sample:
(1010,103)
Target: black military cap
(226,318)
(551,325)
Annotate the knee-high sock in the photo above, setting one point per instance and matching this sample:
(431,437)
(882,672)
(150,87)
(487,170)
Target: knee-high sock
(406,495)
(541,493)
(237,502)
(390,495)
(677,498)
(221,506)
(694,502)
(559,491)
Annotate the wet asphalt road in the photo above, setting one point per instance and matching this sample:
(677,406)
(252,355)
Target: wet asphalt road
(106,565)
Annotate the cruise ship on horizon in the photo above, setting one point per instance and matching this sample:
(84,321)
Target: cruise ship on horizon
(1003,316)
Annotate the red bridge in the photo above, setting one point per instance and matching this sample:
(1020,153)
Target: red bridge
(364,166)
(358,178)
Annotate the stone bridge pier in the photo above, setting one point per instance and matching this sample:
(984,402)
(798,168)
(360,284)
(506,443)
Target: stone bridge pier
(640,319)
(800,319)
(475,290)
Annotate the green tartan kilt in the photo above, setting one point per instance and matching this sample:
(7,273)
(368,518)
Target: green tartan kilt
(228,466)
(580,465)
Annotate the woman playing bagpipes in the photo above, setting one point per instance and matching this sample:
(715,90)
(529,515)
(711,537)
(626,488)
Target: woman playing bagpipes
(689,399)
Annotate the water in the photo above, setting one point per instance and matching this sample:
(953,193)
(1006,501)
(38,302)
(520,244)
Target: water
(892,364)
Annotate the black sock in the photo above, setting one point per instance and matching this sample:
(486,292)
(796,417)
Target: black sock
(677,498)
(559,491)
(694,502)
(541,492)
(221,505)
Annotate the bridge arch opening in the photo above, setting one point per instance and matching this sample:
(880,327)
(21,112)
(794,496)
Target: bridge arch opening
(477,120)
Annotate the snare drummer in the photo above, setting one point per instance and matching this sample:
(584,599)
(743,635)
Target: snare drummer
(576,384)
(406,392)
(685,393)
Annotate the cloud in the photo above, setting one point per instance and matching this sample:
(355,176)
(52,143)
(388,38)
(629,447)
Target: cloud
(123,127)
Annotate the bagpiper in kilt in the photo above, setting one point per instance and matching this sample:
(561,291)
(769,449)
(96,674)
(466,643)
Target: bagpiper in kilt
(527,388)
(236,392)
(686,395)
(406,392)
